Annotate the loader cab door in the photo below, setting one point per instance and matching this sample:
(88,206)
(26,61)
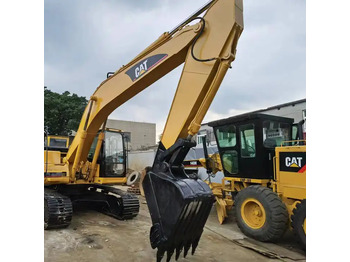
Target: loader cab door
(248,151)
(237,148)
(227,143)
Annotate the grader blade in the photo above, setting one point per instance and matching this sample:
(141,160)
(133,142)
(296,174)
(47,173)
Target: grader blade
(179,205)
(221,209)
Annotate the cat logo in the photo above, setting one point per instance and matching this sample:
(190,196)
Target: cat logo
(141,69)
(144,66)
(293,161)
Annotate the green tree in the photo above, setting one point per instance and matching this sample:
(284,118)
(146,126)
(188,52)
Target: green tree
(62,112)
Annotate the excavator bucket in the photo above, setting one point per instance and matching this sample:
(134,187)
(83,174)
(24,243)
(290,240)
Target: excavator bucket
(179,204)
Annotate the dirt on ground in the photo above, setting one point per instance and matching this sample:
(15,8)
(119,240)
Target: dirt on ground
(93,236)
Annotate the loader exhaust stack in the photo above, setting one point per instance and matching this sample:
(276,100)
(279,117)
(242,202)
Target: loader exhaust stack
(179,204)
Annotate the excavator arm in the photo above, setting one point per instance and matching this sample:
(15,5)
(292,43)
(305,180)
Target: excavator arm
(179,204)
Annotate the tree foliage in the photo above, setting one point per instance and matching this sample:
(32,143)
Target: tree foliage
(62,112)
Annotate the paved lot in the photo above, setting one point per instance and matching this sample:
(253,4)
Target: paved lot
(96,237)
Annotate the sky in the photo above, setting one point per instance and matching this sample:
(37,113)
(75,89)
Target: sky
(85,39)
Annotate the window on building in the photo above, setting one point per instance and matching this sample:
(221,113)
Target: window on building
(199,139)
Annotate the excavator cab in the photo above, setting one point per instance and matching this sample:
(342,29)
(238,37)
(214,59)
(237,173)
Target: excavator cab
(112,156)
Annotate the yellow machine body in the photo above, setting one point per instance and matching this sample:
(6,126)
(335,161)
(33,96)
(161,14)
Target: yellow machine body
(290,186)
(207,49)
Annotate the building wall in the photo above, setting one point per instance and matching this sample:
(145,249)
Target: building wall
(296,111)
(138,160)
(142,135)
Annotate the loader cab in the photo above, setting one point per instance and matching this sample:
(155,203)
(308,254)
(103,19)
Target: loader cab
(113,156)
(246,143)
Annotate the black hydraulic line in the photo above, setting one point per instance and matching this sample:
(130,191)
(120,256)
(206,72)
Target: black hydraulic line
(110,74)
(195,40)
(191,17)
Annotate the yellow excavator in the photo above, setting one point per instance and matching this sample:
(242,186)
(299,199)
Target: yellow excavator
(179,203)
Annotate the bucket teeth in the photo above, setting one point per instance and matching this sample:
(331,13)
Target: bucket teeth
(169,254)
(187,247)
(178,252)
(179,207)
(160,255)
(194,245)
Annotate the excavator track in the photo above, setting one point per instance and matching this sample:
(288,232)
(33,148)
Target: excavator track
(58,210)
(126,206)
(106,199)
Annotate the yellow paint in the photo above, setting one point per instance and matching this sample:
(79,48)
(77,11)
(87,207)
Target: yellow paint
(221,209)
(290,185)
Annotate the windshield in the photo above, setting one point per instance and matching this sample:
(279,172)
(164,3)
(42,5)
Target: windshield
(113,144)
(114,158)
(114,153)
(275,132)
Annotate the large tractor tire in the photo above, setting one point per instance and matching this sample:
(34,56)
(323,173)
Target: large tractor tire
(299,222)
(260,213)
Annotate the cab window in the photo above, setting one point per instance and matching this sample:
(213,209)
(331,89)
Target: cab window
(57,142)
(274,133)
(247,136)
(226,136)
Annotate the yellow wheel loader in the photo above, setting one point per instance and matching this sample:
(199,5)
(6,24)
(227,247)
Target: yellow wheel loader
(179,203)
(264,174)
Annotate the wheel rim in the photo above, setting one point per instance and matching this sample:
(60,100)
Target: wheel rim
(253,213)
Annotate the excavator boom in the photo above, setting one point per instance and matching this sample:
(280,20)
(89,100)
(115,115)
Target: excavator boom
(179,204)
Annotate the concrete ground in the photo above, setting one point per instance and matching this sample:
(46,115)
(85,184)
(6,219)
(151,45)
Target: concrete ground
(93,236)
